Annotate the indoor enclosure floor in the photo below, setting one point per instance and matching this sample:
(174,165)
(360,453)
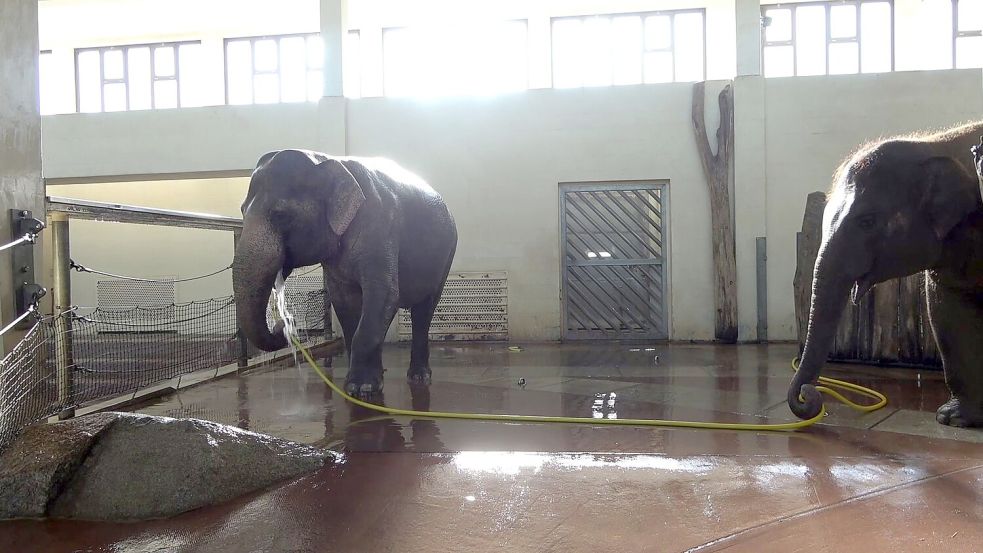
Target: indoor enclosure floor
(892,480)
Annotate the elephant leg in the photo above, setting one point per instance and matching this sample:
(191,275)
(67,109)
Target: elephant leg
(957,321)
(421,314)
(365,370)
(348,308)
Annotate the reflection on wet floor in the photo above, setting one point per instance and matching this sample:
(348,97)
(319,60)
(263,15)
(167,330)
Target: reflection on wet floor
(894,479)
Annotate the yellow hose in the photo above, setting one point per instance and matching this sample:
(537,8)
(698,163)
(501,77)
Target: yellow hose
(830,384)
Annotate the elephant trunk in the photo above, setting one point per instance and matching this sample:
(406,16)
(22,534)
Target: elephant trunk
(830,290)
(259,257)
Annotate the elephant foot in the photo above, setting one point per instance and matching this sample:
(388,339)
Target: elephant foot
(418,375)
(363,386)
(956,412)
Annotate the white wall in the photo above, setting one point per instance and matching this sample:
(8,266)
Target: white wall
(498,162)
(813,123)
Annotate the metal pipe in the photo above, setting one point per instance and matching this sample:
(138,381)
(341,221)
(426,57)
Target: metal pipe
(64,357)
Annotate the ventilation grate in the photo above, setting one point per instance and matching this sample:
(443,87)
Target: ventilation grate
(124,295)
(474,306)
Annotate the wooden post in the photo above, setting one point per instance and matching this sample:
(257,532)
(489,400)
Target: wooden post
(717,169)
(807,249)
(243,357)
(64,354)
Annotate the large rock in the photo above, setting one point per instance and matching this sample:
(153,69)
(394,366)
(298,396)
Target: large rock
(34,468)
(121,466)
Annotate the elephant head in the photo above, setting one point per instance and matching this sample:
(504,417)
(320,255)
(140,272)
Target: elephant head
(299,206)
(888,215)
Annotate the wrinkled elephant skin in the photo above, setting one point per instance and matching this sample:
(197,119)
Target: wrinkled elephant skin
(383,236)
(898,207)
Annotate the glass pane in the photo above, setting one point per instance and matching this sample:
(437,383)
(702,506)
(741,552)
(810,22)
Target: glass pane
(191,75)
(47,84)
(265,52)
(875,34)
(114,96)
(689,47)
(112,61)
(239,71)
(596,56)
(352,65)
(778,61)
(315,85)
(658,67)
(843,21)
(89,82)
(164,61)
(315,52)
(138,77)
(810,40)
(658,32)
(399,61)
(567,44)
(843,58)
(970,16)
(627,49)
(266,88)
(780,28)
(969,52)
(293,69)
(165,94)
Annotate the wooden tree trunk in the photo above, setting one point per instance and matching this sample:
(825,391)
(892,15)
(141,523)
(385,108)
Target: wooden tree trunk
(717,169)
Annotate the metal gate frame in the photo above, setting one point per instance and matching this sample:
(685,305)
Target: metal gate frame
(664,263)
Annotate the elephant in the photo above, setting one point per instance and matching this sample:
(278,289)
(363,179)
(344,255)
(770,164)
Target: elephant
(897,207)
(384,238)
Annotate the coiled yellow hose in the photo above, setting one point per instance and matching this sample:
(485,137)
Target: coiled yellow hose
(827,386)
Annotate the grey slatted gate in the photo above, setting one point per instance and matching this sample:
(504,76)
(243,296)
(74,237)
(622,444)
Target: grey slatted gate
(614,273)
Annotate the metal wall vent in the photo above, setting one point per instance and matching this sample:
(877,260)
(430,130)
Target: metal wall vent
(155,299)
(474,306)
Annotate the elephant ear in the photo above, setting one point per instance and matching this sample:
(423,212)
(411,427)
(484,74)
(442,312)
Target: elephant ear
(951,194)
(346,194)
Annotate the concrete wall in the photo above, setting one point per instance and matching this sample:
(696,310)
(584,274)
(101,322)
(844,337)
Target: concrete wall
(20,137)
(813,123)
(499,161)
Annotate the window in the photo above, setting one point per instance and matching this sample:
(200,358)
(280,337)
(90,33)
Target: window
(966,33)
(352,65)
(145,76)
(474,58)
(603,50)
(828,38)
(47,83)
(272,69)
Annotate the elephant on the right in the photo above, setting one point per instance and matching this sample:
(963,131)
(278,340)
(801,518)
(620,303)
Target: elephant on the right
(897,207)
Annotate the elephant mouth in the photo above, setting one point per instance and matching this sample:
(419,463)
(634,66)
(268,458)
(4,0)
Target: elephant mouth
(860,288)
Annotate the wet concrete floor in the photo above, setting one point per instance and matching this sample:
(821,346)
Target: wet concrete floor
(893,480)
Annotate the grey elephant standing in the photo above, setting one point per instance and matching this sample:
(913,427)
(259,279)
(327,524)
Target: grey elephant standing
(898,207)
(384,238)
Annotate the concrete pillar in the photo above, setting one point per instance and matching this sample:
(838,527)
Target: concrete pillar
(21,186)
(748,18)
(334,26)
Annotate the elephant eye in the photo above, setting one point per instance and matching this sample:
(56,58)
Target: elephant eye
(866,222)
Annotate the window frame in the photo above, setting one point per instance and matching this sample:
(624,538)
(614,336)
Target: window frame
(642,14)
(252,62)
(152,46)
(828,4)
(957,34)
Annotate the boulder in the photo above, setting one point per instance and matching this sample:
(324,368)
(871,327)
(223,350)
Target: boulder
(123,466)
